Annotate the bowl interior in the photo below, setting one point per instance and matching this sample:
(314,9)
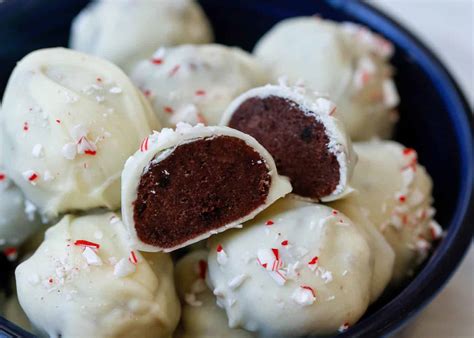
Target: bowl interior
(433,113)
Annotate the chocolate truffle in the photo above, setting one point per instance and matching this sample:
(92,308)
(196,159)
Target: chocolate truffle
(297,269)
(300,129)
(127,31)
(84,279)
(345,60)
(200,315)
(394,191)
(69,122)
(196,83)
(183,185)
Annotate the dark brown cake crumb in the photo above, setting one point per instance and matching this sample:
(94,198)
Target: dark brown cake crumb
(297,142)
(202,185)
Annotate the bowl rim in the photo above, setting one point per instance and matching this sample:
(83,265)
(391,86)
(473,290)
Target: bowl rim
(450,252)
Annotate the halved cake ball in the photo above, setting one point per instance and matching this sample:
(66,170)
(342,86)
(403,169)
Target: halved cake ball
(196,83)
(69,122)
(298,269)
(184,185)
(394,192)
(345,60)
(85,280)
(299,128)
(126,32)
(200,315)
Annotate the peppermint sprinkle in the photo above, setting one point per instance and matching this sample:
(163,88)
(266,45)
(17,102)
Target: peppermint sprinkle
(200,92)
(436,230)
(144,145)
(313,263)
(304,295)
(222,257)
(133,258)
(37,151)
(86,244)
(168,109)
(237,281)
(11,253)
(124,268)
(174,71)
(269,222)
(91,257)
(343,328)
(26,126)
(284,243)
(31,176)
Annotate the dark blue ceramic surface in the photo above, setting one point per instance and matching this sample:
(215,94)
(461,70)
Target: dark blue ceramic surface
(435,119)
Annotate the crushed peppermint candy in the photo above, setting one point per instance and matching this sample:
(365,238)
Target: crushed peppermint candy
(222,257)
(269,222)
(124,268)
(11,253)
(37,151)
(91,257)
(313,263)
(86,244)
(31,176)
(435,230)
(344,327)
(270,260)
(304,295)
(133,258)
(144,145)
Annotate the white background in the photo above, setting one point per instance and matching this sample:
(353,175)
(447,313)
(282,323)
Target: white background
(447,27)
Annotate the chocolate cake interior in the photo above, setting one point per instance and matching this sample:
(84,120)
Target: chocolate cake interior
(296,140)
(200,186)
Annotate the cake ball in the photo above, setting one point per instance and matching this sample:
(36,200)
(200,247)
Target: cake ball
(126,31)
(195,84)
(346,61)
(85,279)
(183,185)
(298,269)
(300,129)
(70,121)
(200,317)
(394,191)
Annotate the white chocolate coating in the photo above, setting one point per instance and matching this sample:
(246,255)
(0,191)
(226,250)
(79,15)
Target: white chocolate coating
(196,83)
(200,315)
(346,61)
(70,121)
(160,145)
(383,256)
(67,288)
(319,282)
(126,31)
(323,111)
(13,312)
(18,217)
(394,192)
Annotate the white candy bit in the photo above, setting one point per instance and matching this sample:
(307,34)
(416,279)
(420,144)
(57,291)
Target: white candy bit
(69,151)
(278,276)
(344,327)
(31,176)
(304,295)
(222,257)
(390,94)
(34,279)
(436,230)
(190,299)
(91,257)
(37,151)
(124,268)
(84,146)
(237,281)
(115,90)
(114,220)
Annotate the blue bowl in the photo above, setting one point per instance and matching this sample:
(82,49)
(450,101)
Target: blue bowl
(435,120)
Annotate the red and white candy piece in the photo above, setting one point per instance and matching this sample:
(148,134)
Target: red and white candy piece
(304,295)
(222,257)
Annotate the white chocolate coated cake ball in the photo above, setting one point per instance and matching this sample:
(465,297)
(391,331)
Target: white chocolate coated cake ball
(298,269)
(126,31)
(84,278)
(69,122)
(394,192)
(196,83)
(346,61)
(200,317)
